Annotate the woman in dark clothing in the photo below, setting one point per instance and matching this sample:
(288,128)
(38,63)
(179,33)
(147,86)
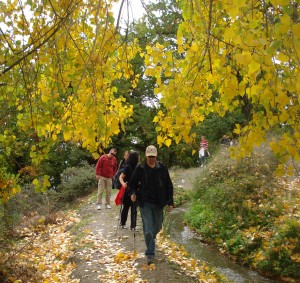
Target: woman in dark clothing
(124,160)
(125,176)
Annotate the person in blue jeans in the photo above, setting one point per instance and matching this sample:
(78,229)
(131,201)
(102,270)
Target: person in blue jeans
(152,188)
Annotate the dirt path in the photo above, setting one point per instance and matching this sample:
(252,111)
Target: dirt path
(106,254)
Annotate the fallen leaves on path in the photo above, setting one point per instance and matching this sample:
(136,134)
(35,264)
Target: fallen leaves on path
(113,263)
(190,266)
(45,255)
(42,256)
(120,266)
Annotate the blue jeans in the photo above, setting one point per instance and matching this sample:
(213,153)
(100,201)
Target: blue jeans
(152,217)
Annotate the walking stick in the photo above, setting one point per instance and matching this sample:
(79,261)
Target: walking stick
(134,210)
(119,219)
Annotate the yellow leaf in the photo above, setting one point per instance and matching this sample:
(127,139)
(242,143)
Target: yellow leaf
(46,182)
(285,23)
(210,78)
(179,40)
(296,30)
(237,129)
(67,135)
(168,142)
(281,3)
(160,140)
(95,155)
(253,67)
(180,49)
(177,139)
(282,57)
(296,257)
(195,47)
(149,49)
(35,182)
(283,99)
(45,98)
(284,116)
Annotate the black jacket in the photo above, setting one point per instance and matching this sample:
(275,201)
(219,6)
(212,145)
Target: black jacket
(138,185)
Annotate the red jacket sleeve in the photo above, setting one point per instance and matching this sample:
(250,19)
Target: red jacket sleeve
(99,165)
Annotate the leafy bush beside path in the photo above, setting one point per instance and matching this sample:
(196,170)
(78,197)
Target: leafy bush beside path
(251,215)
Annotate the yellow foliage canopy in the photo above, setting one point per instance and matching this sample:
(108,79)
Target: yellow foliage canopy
(233,49)
(60,60)
(58,67)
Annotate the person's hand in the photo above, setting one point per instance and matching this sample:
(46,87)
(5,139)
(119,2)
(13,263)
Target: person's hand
(97,177)
(133,198)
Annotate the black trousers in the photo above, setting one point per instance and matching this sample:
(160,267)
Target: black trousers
(127,203)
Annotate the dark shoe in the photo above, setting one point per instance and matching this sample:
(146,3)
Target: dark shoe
(123,227)
(150,259)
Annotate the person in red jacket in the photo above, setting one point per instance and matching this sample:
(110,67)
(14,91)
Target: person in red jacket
(106,168)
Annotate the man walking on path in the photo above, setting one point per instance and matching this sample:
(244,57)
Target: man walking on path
(151,186)
(106,168)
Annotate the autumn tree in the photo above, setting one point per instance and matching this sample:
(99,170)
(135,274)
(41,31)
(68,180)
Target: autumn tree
(247,52)
(58,61)
(158,24)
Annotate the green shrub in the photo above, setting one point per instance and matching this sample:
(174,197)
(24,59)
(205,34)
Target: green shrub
(241,206)
(76,182)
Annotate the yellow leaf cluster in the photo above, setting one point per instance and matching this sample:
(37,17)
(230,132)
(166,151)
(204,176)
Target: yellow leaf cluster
(247,52)
(8,185)
(67,92)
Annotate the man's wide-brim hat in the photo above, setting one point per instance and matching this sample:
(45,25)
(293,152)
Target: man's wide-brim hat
(151,150)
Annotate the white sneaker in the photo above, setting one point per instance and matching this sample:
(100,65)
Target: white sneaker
(108,206)
(99,207)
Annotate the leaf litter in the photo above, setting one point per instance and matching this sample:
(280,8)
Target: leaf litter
(50,251)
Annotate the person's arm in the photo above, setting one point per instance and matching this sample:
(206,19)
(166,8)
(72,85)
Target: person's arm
(133,184)
(170,190)
(121,178)
(115,166)
(98,168)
